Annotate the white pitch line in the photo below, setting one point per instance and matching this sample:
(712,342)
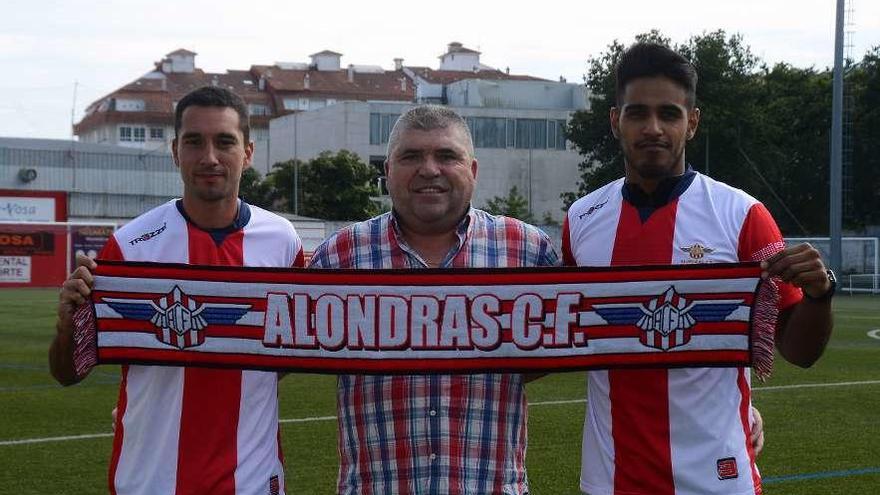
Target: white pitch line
(308,420)
(55,439)
(816,385)
(874,334)
(313,419)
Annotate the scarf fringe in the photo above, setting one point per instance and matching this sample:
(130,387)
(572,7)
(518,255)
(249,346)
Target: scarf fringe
(766,313)
(85,340)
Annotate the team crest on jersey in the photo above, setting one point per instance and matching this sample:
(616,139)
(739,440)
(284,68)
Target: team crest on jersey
(666,321)
(180,320)
(726,468)
(697,251)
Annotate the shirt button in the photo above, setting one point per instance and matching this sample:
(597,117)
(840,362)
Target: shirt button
(432,412)
(433,456)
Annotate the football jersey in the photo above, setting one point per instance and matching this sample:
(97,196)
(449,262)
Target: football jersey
(677,431)
(186,430)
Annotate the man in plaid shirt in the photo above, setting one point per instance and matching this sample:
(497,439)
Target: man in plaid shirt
(433,434)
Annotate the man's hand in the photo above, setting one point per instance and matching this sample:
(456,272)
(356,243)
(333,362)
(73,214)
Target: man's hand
(76,289)
(74,292)
(757,427)
(800,266)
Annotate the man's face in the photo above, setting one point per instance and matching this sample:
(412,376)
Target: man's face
(211,152)
(431,178)
(653,124)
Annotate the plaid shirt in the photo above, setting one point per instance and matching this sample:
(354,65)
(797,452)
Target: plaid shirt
(434,434)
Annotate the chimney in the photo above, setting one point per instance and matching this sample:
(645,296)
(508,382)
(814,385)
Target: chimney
(306,82)
(350,73)
(562,79)
(398,64)
(507,70)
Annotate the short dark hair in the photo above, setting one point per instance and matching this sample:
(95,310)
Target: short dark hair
(213,96)
(429,118)
(652,60)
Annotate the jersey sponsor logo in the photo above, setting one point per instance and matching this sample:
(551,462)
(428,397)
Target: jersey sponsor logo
(666,320)
(726,468)
(697,251)
(149,235)
(592,209)
(180,320)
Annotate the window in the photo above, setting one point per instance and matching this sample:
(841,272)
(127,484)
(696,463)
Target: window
(380,126)
(511,133)
(157,134)
(139,134)
(258,109)
(488,132)
(125,133)
(560,135)
(531,133)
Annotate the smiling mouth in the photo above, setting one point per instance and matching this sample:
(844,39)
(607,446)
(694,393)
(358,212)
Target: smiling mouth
(652,146)
(430,190)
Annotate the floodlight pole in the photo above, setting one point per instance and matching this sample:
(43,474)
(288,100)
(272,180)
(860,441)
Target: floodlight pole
(836,167)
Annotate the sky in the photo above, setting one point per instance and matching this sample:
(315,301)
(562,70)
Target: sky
(56,57)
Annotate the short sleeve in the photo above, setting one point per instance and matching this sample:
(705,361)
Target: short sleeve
(760,239)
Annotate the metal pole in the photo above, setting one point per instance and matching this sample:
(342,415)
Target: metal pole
(295,166)
(707,152)
(836,166)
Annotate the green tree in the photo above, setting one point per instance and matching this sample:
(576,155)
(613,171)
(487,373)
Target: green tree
(513,205)
(864,87)
(338,186)
(764,130)
(254,190)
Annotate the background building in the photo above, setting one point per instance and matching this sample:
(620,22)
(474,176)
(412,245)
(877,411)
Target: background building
(301,109)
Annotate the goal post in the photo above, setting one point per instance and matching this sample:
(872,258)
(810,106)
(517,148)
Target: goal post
(860,262)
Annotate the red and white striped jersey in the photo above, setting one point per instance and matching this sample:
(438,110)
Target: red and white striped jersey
(678,431)
(195,430)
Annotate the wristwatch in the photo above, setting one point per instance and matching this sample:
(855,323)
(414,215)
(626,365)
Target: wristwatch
(827,295)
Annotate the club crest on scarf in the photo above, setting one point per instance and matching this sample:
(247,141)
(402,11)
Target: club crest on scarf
(179,319)
(666,320)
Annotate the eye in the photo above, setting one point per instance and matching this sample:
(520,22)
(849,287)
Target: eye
(670,114)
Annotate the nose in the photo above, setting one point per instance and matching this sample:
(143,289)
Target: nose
(652,127)
(209,155)
(429,167)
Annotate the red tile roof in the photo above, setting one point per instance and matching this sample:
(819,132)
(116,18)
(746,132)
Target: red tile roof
(159,90)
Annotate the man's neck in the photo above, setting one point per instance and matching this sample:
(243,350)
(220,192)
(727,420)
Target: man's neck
(432,245)
(650,185)
(213,215)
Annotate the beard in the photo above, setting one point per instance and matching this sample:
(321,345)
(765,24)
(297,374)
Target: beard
(655,166)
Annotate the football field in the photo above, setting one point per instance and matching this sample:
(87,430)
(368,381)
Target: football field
(822,424)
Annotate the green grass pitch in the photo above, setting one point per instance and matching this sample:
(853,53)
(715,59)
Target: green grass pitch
(820,440)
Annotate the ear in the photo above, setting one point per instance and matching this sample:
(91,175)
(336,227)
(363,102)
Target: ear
(174,152)
(248,155)
(474,167)
(693,122)
(614,116)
